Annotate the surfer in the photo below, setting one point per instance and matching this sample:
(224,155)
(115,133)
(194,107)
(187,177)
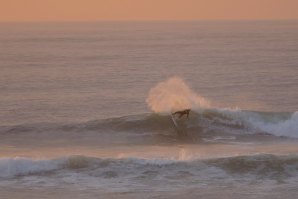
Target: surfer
(181,113)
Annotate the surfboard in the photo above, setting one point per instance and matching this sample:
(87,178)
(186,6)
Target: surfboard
(174,121)
(179,127)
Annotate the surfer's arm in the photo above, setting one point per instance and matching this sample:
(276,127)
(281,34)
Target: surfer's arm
(175,113)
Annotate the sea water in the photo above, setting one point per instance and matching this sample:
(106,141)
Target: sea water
(85,109)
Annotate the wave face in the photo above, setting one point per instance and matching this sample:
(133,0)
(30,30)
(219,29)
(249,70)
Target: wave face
(260,166)
(200,123)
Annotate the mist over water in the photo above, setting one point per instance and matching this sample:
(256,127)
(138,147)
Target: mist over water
(173,95)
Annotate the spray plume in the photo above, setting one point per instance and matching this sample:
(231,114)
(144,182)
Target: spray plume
(172,95)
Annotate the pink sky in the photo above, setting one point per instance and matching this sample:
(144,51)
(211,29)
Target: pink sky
(91,10)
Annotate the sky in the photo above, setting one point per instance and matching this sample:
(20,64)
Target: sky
(96,10)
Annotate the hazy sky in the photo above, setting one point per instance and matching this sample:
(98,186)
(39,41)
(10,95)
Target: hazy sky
(81,10)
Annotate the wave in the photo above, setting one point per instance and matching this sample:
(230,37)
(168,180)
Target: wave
(201,122)
(265,165)
(283,124)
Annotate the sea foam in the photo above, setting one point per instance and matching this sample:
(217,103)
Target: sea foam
(172,95)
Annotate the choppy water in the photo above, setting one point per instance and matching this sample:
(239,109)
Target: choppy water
(73,111)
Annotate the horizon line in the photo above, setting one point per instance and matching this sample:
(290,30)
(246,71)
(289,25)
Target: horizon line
(150,20)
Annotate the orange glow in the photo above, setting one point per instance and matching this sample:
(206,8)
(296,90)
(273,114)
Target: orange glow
(85,10)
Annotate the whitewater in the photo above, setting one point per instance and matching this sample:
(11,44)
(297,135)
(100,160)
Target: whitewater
(85,110)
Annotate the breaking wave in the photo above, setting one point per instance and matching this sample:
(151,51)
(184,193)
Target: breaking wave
(208,121)
(265,165)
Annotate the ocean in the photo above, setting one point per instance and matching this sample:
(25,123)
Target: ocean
(85,109)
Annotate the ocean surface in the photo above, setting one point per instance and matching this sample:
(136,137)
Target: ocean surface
(85,110)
